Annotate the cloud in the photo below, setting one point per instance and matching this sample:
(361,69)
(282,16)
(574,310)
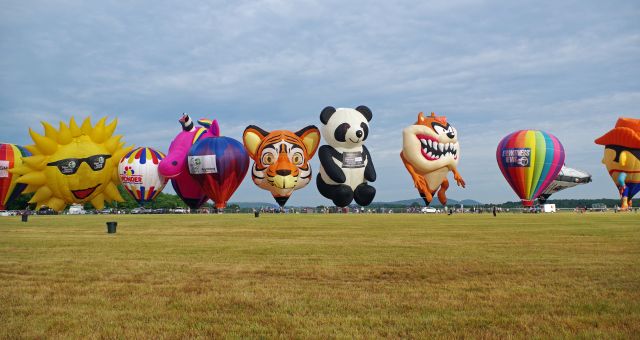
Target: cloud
(570,68)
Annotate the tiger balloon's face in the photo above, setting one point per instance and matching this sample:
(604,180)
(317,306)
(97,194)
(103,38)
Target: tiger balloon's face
(431,143)
(281,158)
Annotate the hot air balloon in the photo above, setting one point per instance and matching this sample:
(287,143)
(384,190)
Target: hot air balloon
(567,178)
(430,150)
(622,157)
(174,165)
(74,164)
(219,164)
(138,171)
(530,160)
(10,157)
(281,159)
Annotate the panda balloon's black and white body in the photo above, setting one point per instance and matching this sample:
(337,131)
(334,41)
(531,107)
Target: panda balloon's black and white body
(345,163)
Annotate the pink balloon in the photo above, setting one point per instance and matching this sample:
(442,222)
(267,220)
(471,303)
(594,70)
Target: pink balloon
(175,167)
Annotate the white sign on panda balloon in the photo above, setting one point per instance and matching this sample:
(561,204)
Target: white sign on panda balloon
(345,163)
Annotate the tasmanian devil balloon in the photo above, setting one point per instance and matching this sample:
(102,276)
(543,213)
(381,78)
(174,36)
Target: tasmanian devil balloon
(530,160)
(430,150)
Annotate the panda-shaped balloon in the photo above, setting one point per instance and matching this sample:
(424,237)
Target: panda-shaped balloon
(345,163)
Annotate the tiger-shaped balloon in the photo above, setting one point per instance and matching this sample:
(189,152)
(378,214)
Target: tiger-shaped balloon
(281,159)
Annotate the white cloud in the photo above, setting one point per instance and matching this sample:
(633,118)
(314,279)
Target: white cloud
(570,68)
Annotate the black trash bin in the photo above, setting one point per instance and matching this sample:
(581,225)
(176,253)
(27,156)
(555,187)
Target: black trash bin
(25,217)
(256,213)
(111,227)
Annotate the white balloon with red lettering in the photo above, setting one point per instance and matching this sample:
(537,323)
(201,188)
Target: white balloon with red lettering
(138,172)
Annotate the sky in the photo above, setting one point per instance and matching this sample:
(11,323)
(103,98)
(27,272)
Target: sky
(491,67)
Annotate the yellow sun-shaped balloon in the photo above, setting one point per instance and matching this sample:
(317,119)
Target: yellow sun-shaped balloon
(74,164)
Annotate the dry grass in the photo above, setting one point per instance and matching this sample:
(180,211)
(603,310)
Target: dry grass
(321,276)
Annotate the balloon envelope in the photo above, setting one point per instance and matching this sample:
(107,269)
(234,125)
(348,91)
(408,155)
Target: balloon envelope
(622,157)
(530,160)
(567,178)
(138,171)
(284,170)
(10,157)
(219,164)
(189,190)
(174,165)
(74,164)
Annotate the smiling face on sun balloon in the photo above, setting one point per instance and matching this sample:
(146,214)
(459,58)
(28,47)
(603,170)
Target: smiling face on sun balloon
(73,165)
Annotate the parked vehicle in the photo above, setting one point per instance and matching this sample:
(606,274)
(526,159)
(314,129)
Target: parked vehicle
(429,210)
(140,210)
(46,211)
(76,209)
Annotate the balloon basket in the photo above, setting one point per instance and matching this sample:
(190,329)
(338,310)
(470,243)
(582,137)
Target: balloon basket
(527,203)
(111,227)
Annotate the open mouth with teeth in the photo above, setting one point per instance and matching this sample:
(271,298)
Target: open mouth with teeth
(433,150)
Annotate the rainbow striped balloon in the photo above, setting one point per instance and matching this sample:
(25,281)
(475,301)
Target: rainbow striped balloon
(10,157)
(530,160)
(138,172)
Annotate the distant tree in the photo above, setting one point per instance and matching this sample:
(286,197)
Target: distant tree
(21,203)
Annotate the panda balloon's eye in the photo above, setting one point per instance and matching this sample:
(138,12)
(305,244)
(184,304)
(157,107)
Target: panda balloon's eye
(365,129)
(340,134)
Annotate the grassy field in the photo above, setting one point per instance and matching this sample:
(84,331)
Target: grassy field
(321,276)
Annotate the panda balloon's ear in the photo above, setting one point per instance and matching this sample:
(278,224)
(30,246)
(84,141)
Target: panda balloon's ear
(326,113)
(252,137)
(365,112)
(310,136)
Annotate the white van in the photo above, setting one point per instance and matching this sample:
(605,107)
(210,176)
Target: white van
(77,209)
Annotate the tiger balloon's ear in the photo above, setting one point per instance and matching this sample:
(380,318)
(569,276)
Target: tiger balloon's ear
(252,137)
(310,136)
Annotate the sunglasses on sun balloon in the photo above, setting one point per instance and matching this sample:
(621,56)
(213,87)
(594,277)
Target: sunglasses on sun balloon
(69,166)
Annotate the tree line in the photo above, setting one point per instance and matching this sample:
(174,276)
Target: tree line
(171,201)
